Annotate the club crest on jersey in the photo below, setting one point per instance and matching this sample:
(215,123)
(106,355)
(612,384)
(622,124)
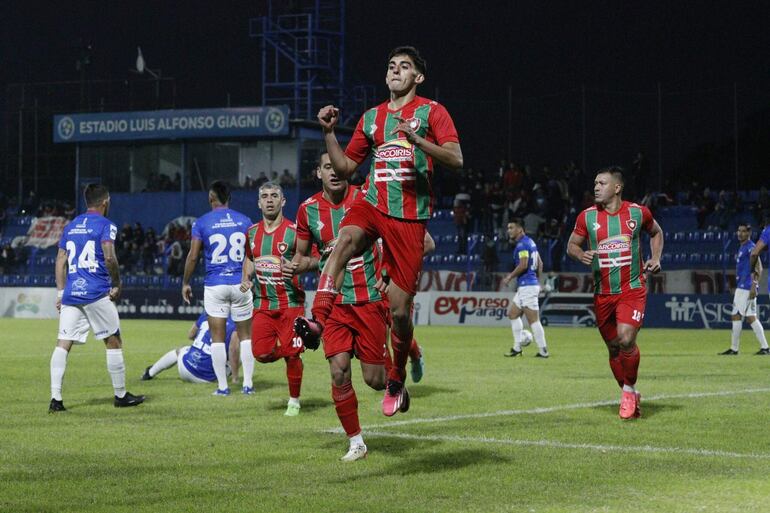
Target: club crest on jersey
(631,223)
(282,247)
(414,123)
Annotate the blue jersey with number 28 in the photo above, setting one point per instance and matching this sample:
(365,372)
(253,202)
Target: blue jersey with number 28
(223,233)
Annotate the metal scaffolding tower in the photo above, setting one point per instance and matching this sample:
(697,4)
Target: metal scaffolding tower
(303,58)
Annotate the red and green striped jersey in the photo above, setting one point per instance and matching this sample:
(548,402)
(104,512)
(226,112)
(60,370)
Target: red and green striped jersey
(616,239)
(399,181)
(265,249)
(318,221)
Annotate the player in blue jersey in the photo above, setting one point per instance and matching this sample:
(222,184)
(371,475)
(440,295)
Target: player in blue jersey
(745,298)
(221,234)
(194,361)
(88,284)
(762,244)
(527,267)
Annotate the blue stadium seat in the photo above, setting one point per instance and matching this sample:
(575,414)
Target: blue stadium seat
(695,259)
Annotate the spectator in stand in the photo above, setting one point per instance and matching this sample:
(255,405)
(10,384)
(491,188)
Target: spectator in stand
(149,251)
(640,171)
(762,208)
(479,214)
(705,206)
(7,258)
(138,234)
(261,179)
(175,259)
(533,224)
(30,204)
(489,256)
(461,214)
(287,180)
(495,201)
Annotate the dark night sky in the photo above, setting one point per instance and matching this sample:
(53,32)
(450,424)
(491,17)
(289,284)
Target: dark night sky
(475,50)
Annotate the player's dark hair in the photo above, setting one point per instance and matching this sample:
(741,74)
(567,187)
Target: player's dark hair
(221,190)
(747,225)
(517,221)
(419,63)
(95,193)
(321,153)
(617,172)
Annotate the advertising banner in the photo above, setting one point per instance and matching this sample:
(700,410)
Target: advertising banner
(45,231)
(28,302)
(172,124)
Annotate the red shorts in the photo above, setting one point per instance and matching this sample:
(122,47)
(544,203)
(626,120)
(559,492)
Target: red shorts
(402,241)
(361,329)
(614,309)
(271,327)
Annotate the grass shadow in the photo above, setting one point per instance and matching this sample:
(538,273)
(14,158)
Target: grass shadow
(428,390)
(307,405)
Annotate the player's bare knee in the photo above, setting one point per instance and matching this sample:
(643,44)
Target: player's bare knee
(736,317)
(375,381)
(750,319)
(113,342)
(627,341)
(264,358)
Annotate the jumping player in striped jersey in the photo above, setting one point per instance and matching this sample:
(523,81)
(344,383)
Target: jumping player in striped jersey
(403,136)
(277,301)
(612,228)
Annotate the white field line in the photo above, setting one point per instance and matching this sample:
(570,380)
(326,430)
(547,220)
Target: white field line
(564,445)
(551,409)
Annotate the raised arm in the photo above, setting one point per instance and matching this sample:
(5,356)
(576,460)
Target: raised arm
(343,165)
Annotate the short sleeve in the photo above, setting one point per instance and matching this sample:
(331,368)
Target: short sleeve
(63,239)
(195,233)
(303,229)
(247,246)
(647,220)
(765,236)
(580,225)
(442,125)
(109,233)
(358,147)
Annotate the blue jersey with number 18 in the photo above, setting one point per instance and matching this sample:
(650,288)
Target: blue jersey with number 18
(87,277)
(223,234)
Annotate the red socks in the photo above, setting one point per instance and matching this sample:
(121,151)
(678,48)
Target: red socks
(617,370)
(346,404)
(401,351)
(294,375)
(630,362)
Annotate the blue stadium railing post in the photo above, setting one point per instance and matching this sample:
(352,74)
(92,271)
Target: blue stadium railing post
(728,242)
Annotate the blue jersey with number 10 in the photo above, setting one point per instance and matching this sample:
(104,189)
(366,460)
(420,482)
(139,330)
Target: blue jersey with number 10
(526,248)
(87,277)
(223,233)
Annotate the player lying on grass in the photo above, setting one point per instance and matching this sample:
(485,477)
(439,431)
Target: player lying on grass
(194,361)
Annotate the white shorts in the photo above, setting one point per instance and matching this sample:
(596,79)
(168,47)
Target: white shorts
(101,316)
(742,305)
(526,297)
(225,301)
(184,374)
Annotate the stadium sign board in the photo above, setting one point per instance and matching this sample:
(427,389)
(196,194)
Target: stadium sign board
(172,124)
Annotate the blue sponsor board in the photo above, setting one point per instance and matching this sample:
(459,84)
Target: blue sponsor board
(695,310)
(144,303)
(172,124)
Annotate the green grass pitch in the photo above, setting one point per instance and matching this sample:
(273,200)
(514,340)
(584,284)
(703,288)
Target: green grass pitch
(485,433)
